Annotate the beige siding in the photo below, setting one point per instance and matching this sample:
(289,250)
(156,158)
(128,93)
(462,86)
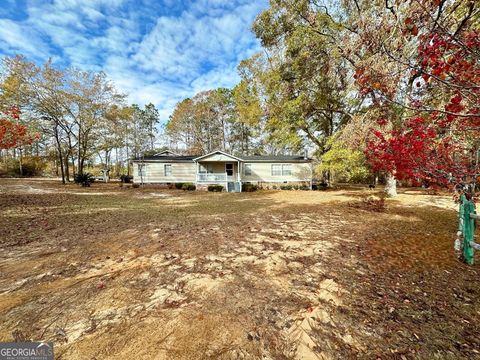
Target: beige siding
(185,172)
(262,172)
(155,172)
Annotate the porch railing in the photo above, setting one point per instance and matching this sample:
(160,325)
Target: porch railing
(219,177)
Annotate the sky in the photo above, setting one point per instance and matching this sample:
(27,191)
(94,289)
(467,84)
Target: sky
(158,51)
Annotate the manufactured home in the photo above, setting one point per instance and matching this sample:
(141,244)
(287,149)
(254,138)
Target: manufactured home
(218,167)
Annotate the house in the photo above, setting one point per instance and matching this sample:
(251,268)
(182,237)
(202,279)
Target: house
(219,167)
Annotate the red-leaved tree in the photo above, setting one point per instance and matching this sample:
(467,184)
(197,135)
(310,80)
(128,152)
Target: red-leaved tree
(440,143)
(13,134)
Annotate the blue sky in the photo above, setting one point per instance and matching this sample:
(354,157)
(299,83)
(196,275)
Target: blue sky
(156,51)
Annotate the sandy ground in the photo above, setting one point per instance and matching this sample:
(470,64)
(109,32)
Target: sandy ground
(115,273)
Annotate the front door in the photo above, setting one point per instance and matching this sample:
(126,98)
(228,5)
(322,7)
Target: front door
(229,169)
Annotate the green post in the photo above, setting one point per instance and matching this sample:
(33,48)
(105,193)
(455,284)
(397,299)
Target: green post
(468,231)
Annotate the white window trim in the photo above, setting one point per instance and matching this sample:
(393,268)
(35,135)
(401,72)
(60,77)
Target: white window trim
(165,170)
(280,168)
(249,166)
(289,170)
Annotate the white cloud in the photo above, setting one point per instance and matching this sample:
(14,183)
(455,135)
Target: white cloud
(19,38)
(154,58)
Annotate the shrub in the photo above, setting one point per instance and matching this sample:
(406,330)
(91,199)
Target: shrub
(286,187)
(126,178)
(304,187)
(33,166)
(215,188)
(84,179)
(179,186)
(136,186)
(249,187)
(188,187)
(295,187)
(320,186)
(274,187)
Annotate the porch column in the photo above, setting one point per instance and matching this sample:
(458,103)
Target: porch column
(196,174)
(238,176)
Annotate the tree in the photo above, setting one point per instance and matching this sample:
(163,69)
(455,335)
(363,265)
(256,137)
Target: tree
(71,105)
(305,75)
(14,134)
(438,138)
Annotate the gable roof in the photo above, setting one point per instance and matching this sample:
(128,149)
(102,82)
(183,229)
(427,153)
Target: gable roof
(166,153)
(217,152)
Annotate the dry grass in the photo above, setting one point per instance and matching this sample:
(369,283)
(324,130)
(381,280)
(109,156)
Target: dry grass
(110,272)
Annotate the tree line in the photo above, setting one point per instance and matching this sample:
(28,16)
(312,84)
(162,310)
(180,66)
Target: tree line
(79,116)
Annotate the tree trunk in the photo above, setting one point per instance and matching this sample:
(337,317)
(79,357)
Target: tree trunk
(20,165)
(59,152)
(391,185)
(73,165)
(67,169)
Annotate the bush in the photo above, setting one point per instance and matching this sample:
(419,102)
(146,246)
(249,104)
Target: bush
(249,187)
(84,179)
(126,178)
(136,186)
(274,187)
(215,188)
(304,187)
(179,186)
(320,186)
(286,187)
(188,187)
(33,166)
(296,187)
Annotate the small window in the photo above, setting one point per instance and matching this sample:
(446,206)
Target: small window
(168,169)
(286,169)
(276,170)
(248,169)
(141,170)
(229,169)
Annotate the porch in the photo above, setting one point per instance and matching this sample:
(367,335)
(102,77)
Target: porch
(225,173)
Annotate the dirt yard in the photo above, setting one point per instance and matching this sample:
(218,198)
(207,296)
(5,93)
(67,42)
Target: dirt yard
(121,273)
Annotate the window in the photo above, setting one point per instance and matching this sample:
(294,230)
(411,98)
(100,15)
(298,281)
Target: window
(168,169)
(286,169)
(205,169)
(248,169)
(229,169)
(141,170)
(276,170)
(281,169)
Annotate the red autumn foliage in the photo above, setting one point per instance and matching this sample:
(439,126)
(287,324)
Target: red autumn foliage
(12,133)
(434,146)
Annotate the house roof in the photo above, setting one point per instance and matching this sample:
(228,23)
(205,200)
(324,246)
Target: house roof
(275,158)
(252,158)
(166,158)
